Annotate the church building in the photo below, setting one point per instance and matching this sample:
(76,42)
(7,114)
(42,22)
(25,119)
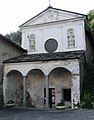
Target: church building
(58,47)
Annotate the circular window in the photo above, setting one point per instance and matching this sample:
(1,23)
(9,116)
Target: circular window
(51,45)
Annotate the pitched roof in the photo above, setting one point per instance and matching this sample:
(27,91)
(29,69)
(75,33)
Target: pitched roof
(50,7)
(12,43)
(47,57)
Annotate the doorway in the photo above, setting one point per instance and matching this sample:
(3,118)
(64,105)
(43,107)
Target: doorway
(67,94)
(51,97)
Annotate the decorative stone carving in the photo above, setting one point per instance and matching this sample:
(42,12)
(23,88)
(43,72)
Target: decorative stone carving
(71,38)
(53,16)
(32,42)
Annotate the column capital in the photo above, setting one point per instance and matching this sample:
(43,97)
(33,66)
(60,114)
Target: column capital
(25,76)
(46,75)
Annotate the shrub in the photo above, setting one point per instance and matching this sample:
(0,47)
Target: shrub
(87,101)
(61,103)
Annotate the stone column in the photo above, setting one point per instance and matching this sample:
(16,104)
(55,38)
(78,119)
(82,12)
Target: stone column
(47,91)
(4,89)
(24,91)
(75,90)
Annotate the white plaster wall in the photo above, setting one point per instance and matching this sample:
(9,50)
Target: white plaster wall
(52,15)
(57,31)
(46,67)
(38,39)
(79,37)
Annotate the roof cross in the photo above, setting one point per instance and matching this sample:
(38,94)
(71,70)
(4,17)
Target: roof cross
(49,3)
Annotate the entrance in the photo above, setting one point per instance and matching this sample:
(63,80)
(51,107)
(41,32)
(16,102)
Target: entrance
(67,94)
(51,97)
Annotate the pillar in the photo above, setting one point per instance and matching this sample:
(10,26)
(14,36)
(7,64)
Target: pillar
(24,91)
(75,90)
(4,89)
(47,92)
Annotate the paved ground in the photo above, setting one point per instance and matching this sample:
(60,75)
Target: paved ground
(32,114)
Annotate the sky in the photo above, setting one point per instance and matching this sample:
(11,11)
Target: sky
(13,13)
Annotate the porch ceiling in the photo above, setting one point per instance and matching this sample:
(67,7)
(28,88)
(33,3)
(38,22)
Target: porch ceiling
(47,56)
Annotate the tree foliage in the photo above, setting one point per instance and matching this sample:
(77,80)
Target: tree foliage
(90,23)
(89,79)
(15,37)
(88,87)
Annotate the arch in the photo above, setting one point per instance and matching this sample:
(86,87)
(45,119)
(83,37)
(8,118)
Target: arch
(61,74)
(35,87)
(59,66)
(35,70)
(12,71)
(60,80)
(13,85)
(71,38)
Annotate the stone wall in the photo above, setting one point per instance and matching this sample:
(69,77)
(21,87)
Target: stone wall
(7,51)
(35,87)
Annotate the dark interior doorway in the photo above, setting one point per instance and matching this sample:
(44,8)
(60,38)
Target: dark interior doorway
(51,97)
(67,94)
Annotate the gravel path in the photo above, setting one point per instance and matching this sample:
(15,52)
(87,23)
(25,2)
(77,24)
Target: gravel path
(35,114)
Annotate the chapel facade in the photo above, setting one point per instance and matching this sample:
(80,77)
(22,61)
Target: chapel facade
(53,68)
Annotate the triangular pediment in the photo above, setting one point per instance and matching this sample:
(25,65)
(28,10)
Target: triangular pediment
(51,15)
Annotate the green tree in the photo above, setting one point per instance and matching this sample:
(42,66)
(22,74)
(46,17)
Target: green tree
(87,97)
(15,37)
(90,23)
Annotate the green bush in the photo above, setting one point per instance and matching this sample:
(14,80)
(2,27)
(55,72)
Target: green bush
(87,97)
(87,101)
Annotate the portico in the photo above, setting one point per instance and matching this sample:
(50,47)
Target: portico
(33,77)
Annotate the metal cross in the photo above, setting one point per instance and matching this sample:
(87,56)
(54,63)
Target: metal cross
(49,3)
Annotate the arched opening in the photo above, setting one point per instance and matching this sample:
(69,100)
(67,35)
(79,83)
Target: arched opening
(59,86)
(71,38)
(35,87)
(14,88)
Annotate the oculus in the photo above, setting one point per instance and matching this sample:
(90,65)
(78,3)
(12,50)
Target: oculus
(51,45)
